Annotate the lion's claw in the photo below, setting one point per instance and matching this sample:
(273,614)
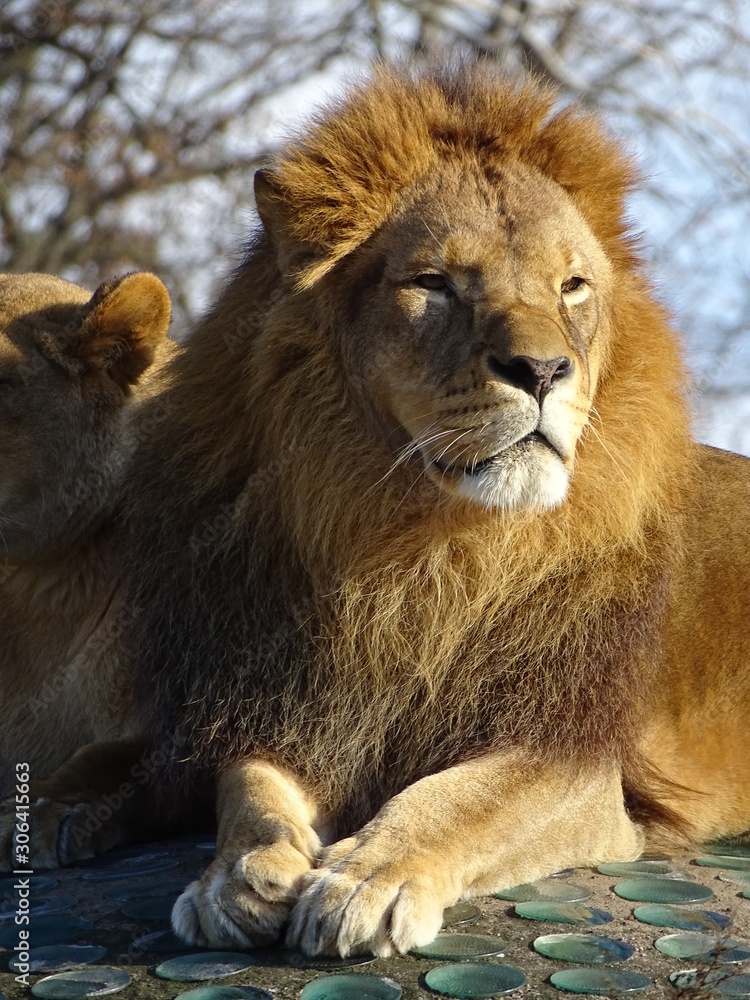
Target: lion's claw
(345,910)
(242,904)
(52,844)
(199,919)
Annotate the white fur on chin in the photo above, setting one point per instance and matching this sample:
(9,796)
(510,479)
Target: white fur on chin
(538,482)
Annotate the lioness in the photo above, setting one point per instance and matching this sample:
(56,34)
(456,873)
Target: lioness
(71,367)
(433,577)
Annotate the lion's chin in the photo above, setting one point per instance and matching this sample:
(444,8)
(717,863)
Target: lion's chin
(519,478)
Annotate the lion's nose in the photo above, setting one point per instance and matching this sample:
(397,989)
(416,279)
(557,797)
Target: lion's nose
(534,375)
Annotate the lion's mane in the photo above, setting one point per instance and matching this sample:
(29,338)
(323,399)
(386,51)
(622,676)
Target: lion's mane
(294,599)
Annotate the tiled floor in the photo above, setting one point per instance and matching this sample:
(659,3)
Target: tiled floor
(123,906)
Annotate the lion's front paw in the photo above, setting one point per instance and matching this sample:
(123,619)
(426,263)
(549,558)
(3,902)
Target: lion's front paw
(242,902)
(356,902)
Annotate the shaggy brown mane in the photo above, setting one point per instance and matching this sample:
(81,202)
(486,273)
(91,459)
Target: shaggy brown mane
(295,598)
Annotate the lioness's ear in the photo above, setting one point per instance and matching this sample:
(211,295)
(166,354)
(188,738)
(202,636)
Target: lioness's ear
(127,320)
(301,261)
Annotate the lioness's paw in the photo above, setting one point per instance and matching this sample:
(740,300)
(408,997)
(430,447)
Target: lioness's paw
(7,828)
(57,836)
(352,906)
(242,902)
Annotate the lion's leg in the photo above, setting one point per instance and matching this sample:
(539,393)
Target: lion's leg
(90,804)
(266,843)
(480,826)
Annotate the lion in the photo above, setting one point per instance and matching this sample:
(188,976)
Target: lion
(72,367)
(454,601)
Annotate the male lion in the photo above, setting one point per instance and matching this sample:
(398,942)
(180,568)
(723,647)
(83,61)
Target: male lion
(71,367)
(426,556)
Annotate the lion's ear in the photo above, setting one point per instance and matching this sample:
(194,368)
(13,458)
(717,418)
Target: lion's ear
(272,209)
(126,321)
(302,261)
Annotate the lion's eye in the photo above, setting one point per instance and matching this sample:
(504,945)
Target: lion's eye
(574,290)
(433,282)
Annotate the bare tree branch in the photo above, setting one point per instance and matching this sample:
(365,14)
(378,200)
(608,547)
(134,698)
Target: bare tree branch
(129,132)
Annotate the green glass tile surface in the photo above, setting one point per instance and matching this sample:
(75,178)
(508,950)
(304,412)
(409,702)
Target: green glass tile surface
(39,884)
(727,849)
(452,946)
(600,982)
(714,983)
(159,942)
(147,889)
(124,857)
(226,993)
(296,960)
(643,869)
(705,947)
(59,957)
(587,949)
(39,905)
(664,915)
(88,982)
(736,878)
(469,980)
(53,929)
(563,913)
(547,891)
(150,908)
(653,890)
(204,965)
(719,861)
(135,868)
(461,913)
(352,986)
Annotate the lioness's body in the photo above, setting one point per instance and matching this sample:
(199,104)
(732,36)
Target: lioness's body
(431,536)
(70,368)
(57,691)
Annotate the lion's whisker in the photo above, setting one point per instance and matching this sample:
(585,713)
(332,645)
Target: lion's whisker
(420,442)
(451,443)
(600,439)
(413,447)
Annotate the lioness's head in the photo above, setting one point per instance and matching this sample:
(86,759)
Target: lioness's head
(476,288)
(68,364)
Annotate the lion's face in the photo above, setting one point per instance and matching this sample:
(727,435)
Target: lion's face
(480,340)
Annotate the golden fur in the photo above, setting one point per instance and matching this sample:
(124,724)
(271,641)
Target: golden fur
(71,367)
(374,615)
